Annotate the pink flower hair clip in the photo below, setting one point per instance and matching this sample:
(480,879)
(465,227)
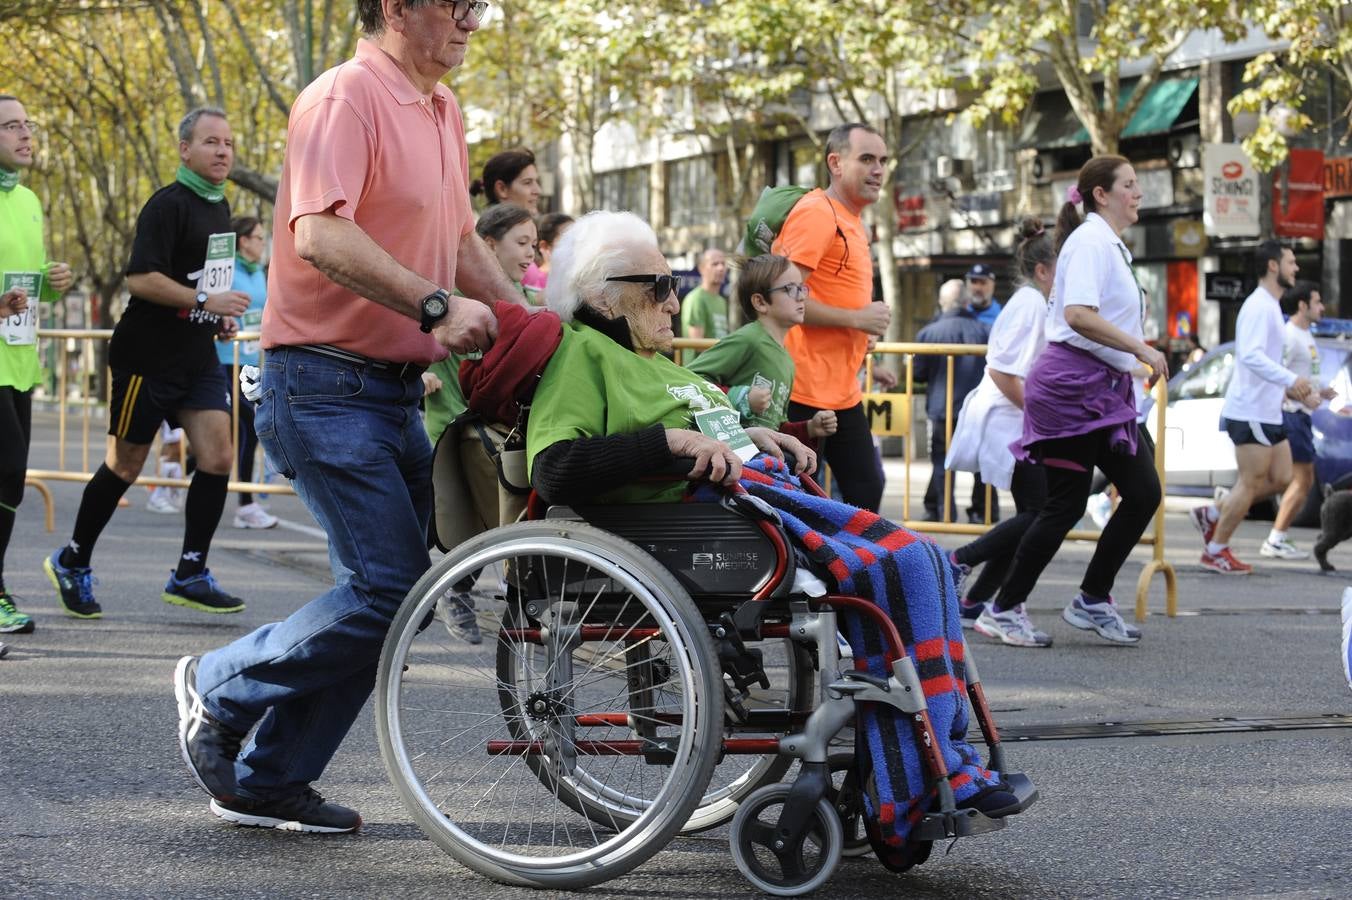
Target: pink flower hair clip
(1073,195)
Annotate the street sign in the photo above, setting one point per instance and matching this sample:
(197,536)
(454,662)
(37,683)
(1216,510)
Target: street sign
(1231,184)
(1224,287)
(1338,176)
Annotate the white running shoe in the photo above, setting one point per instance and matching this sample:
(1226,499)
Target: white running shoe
(161,501)
(1012,626)
(1282,549)
(254,516)
(1102,618)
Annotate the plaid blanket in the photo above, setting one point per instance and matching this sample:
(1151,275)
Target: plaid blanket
(911,579)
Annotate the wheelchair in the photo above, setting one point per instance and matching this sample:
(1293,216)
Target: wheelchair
(646,671)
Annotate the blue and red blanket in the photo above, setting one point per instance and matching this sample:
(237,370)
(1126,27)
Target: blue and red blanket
(911,579)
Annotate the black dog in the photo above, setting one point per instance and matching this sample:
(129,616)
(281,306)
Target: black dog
(1335,522)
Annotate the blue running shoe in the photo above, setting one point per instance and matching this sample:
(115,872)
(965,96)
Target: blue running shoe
(969,612)
(1102,618)
(75,587)
(202,593)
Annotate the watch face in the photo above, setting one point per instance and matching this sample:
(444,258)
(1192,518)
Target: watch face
(434,306)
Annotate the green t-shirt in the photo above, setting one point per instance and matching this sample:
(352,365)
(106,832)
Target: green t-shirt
(747,358)
(21,250)
(706,310)
(593,387)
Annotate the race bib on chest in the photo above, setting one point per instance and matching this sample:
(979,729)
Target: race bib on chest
(21,329)
(725,425)
(218,274)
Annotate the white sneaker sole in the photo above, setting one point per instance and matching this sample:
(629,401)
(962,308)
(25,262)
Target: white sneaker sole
(1076,619)
(187,697)
(1005,639)
(250,821)
(1273,553)
(241,523)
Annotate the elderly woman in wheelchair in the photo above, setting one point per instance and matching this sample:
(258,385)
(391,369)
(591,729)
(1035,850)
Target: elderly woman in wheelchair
(650,662)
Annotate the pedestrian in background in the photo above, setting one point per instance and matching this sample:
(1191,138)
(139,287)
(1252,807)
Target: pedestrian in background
(512,177)
(1079,403)
(29,278)
(1300,354)
(954,325)
(704,311)
(991,420)
(981,300)
(250,243)
(824,237)
(164,367)
(1252,413)
(373,224)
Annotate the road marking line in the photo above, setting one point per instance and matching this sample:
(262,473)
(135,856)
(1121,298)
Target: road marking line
(303,529)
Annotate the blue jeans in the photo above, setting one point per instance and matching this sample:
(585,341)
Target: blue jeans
(351,441)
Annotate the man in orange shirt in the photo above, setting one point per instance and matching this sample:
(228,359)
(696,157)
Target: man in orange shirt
(373,224)
(826,240)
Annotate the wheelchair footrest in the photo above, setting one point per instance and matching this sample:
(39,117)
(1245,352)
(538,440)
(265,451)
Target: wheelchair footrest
(937,826)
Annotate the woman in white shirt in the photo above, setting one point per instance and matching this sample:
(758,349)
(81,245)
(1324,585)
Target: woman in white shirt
(1080,407)
(992,419)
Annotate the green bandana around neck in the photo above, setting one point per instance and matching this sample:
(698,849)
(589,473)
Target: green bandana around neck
(250,267)
(8,180)
(208,191)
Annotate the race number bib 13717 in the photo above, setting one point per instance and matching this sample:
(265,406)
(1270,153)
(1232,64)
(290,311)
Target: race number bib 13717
(21,329)
(219,272)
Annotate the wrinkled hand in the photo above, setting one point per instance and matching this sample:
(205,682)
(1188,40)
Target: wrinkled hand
(469,326)
(13,302)
(884,378)
(776,444)
(228,329)
(714,460)
(431,383)
(59,276)
(1158,363)
(822,424)
(758,398)
(873,318)
(227,303)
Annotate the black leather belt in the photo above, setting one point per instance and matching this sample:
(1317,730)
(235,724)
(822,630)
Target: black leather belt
(407,370)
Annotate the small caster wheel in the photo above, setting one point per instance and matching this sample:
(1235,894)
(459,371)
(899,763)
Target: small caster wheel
(848,800)
(784,871)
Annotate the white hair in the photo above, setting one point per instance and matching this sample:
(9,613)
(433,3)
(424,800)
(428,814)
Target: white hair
(597,246)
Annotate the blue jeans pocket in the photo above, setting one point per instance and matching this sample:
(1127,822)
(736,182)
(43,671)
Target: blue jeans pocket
(266,429)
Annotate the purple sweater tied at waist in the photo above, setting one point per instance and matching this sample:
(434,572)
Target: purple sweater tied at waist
(1070,392)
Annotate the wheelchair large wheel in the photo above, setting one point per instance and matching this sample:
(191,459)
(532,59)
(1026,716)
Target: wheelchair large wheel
(589,749)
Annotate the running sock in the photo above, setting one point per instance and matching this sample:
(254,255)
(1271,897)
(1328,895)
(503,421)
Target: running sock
(1275,536)
(202,510)
(1213,513)
(97,506)
(1215,549)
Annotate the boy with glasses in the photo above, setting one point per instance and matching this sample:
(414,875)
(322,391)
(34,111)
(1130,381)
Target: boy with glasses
(752,363)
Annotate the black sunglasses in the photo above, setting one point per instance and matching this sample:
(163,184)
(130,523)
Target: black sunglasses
(663,285)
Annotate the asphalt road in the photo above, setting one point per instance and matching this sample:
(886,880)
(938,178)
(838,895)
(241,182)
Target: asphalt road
(94,800)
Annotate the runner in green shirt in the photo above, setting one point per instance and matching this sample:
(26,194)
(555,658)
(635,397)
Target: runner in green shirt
(27,278)
(704,311)
(752,362)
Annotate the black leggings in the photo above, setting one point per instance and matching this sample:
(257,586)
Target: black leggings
(1067,492)
(850,453)
(16,432)
(996,547)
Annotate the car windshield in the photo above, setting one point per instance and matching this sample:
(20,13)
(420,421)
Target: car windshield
(1206,380)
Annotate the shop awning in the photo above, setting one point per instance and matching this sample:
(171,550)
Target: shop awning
(1052,124)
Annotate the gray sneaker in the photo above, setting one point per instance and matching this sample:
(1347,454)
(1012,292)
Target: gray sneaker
(1102,618)
(457,611)
(1011,626)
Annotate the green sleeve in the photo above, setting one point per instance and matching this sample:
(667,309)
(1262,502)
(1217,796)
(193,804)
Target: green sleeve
(723,362)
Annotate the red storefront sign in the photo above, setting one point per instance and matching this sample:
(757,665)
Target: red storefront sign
(910,209)
(1298,196)
(1338,176)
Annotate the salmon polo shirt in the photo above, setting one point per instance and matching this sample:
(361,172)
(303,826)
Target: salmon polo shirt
(366,145)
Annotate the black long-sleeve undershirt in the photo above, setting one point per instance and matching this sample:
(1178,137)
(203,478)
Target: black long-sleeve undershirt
(576,471)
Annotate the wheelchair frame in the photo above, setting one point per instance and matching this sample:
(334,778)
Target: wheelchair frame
(795,853)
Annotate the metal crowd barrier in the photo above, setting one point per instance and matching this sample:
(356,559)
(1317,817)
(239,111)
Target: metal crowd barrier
(900,426)
(59,357)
